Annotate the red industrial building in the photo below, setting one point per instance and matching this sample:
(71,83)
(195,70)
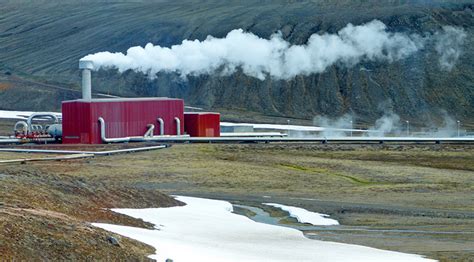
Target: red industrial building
(96,121)
(202,124)
(123,117)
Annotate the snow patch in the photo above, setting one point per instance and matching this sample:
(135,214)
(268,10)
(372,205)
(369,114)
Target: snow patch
(206,230)
(305,216)
(22,115)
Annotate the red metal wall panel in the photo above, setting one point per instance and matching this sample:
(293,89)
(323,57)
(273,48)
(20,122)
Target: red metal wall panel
(199,124)
(76,123)
(123,117)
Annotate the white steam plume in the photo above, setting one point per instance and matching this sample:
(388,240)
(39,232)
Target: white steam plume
(334,127)
(448,46)
(388,123)
(448,128)
(258,57)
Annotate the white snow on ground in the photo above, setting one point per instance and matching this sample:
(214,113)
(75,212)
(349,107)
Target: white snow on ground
(206,230)
(21,115)
(193,107)
(305,216)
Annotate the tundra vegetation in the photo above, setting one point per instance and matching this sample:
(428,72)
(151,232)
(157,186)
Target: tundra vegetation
(406,198)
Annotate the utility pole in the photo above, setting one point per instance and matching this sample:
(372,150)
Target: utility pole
(352,127)
(288,124)
(459,126)
(408,128)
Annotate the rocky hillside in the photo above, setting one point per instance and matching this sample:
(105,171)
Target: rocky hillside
(43,41)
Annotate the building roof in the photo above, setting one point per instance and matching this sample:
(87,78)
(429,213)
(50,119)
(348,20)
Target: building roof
(122,99)
(201,113)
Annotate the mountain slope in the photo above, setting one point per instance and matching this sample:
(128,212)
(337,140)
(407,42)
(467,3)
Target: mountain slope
(45,40)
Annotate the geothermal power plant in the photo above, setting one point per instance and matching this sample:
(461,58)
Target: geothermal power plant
(113,120)
(157,119)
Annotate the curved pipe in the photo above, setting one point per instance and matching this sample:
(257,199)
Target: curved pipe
(178,126)
(32,116)
(23,124)
(132,138)
(36,128)
(149,132)
(109,140)
(162,126)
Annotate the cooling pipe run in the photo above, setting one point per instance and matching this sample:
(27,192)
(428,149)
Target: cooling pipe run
(134,138)
(149,132)
(162,125)
(86,67)
(55,130)
(178,126)
(35,115)
(21,126)
(109,140)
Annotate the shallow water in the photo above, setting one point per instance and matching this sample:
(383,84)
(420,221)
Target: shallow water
(264,217)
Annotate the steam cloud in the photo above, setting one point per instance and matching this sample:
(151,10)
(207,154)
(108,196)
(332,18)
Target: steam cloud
(388,123)
(334,127)
(448,46)
(275,57)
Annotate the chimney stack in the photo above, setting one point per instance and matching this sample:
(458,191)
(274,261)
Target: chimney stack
(86,66)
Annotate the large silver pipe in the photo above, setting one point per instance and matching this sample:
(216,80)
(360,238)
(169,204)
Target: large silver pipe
(32,116)
(86,67)
(162,126)
(11,141)
(96,153)
(55,130)
(131,138)
(109,140)
(178,126)
(358,140)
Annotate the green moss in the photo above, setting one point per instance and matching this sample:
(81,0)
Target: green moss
(295,167)
(244,211)
(291,221)
(274,212)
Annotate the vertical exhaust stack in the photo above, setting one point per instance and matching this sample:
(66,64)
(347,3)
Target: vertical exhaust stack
(86,66)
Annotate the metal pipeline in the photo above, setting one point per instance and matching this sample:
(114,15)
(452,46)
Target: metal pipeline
(162,126)
(31,117)
(178,126)
(149,132)
(23,125)
(109,140)
(130,138)
(36,127)
(11,141)
(55,130)
(95,153)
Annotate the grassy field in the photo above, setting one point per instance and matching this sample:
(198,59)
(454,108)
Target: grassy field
(407,198)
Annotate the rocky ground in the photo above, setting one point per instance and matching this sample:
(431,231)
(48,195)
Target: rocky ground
(41,43)
(45,213)
(409,198)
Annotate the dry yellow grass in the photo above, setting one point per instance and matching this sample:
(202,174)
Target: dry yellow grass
(390,187)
